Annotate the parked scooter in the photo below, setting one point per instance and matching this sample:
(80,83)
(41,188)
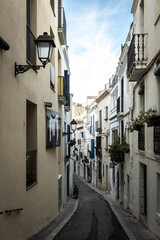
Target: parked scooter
(75,191)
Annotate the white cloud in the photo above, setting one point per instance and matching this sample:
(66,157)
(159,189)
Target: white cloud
(93,54)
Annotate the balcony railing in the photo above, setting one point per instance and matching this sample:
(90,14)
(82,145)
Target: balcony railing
(98,128)
(62,90)
(136,56)
(31,47)
(62,25)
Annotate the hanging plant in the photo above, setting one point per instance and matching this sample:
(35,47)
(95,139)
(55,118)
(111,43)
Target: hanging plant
(143,117)
(72,142)
(117,150)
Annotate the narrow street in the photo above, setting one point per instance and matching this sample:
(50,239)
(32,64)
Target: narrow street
(93,219)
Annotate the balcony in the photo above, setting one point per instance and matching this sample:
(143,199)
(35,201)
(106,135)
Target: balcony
(98,127)
(62,90)
(61,25)
(137,57)
(113,81)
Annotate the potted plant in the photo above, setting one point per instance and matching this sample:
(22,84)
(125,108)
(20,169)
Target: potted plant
(72,142)
(143,117)
(117,150)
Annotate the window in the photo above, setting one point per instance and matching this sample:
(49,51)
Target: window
(106,113)
(141,138)
(114,135)
(114,97)
(98,147)
(122,94)
(52,6)
(93,124)
(99,170)
(113,175)
(31,27)
(157,11)
(106,142)
(31,140)
(122,129)
(92,149)
(52,77)
(100,119)
(158,194)
(157,140)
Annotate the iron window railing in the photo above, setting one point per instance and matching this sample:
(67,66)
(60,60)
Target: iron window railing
(136,52)
(141,138)
(157,140)
(31,47)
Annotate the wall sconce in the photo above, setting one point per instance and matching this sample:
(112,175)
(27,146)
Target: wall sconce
(48,104)
(3,44)
(45,46)
(73,124)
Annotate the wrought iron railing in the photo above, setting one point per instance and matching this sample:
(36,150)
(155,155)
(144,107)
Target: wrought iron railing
(141,138)
(31,47)
(136,52)
(62,20)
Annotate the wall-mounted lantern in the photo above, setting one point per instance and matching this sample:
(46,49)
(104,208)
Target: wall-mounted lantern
(73,124)
(45,46)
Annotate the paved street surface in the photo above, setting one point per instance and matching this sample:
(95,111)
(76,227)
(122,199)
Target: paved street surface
(93,219)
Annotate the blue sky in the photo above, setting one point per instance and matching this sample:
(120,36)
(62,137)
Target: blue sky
(95,31)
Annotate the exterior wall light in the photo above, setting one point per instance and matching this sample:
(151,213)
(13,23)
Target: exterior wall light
(73,124)
(45,46)
(48,104)
(4,45)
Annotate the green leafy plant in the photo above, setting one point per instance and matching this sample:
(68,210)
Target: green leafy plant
(117,150)
(72,142)
(143,117)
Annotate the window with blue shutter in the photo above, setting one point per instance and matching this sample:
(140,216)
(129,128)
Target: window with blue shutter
(92,149)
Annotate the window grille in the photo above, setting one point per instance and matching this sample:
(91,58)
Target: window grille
(141,139)
(157,140)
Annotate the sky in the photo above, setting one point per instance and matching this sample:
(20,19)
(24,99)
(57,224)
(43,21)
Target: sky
(95,31)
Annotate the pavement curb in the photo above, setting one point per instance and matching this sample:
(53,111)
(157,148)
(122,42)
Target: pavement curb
(64,222)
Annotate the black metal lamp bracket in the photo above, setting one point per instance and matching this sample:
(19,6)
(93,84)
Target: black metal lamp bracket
(25,68)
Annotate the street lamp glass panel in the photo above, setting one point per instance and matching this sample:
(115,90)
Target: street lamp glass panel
(43,51)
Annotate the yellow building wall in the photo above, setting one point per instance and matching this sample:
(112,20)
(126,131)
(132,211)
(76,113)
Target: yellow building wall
(40,202)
